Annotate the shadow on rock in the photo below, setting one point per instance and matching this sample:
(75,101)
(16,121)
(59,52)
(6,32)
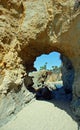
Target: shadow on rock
(43,93)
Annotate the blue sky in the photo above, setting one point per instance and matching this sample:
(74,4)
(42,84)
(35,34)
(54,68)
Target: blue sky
(52,59)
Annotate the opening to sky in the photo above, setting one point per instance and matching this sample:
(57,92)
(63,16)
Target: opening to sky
(52,59)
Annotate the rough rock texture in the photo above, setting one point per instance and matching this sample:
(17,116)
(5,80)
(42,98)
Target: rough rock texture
(67,74)
(45,77)
(31,28)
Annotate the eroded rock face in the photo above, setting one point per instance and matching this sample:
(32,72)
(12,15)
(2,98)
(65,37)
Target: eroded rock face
(31,28)
(67,74)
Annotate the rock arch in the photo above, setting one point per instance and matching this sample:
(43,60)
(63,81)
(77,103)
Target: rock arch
(31,28)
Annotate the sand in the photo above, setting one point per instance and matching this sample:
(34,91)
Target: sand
(43,115)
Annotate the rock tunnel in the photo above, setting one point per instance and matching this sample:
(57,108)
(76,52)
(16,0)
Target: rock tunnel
(29,29)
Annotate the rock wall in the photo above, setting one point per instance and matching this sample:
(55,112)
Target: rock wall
(67,74)
(31,28)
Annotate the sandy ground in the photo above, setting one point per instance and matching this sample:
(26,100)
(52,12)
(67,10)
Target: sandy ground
(43,115)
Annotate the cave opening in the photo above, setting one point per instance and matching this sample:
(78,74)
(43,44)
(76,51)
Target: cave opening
(48,61)
(54,76)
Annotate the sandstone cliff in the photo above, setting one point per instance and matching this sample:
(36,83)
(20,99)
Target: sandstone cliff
(27,30)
